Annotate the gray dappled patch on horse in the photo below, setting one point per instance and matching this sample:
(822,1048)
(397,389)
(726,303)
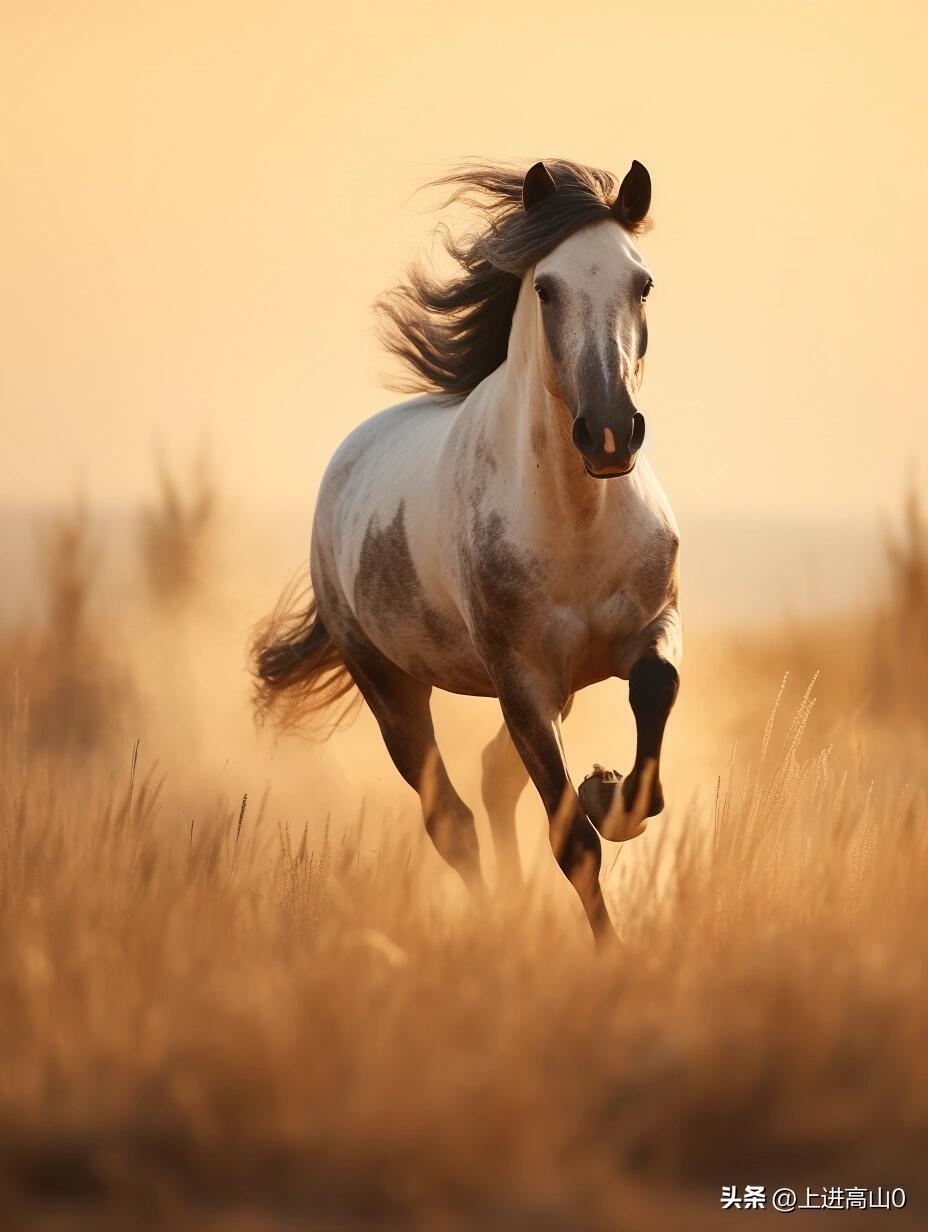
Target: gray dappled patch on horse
(388,587)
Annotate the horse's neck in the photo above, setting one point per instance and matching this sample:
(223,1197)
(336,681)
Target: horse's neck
(530,432)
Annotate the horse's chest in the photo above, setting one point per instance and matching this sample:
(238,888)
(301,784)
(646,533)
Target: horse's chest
(569,600)
(580,639)
(620,587)
(583,634)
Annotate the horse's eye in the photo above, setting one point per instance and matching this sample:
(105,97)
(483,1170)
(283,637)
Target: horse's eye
(542,294)
(647,290)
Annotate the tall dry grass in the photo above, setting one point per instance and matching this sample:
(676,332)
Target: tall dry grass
(59,664)
(872,665)
(899,663)
(177,534)
(222,1013)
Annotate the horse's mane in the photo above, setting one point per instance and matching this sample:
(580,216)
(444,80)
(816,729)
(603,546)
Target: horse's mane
(452,333)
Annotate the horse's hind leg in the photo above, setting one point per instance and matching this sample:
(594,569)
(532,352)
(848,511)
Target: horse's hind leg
(401,707)
(504,780)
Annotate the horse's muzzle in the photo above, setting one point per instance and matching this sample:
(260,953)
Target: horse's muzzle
(603,456)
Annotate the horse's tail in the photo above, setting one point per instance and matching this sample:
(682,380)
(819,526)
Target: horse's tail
(298,671)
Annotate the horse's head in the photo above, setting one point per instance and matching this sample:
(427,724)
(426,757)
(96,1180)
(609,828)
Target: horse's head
(591,292)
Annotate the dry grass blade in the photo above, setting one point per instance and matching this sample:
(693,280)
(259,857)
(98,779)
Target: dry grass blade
(238,832)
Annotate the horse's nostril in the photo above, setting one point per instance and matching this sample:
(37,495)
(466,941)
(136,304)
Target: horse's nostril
(636,440)
(582,436)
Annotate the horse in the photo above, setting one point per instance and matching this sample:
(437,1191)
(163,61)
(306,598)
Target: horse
(501,534)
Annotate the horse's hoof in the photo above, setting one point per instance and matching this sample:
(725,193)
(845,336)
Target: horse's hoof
(652,807)
(601,796)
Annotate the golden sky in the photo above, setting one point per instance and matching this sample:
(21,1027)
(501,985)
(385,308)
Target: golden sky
(199,201)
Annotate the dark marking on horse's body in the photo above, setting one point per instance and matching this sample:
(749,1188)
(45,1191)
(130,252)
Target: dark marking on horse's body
(484,455)
(501,583)
(388,592)
(391,610)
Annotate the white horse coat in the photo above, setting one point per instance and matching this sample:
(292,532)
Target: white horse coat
(514,543)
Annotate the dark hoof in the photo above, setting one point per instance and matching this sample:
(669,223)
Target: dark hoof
(603,802)
(650,805)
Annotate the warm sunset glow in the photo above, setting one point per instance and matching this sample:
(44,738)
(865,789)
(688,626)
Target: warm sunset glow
(201,201)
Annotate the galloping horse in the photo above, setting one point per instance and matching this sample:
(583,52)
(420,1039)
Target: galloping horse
(502,535)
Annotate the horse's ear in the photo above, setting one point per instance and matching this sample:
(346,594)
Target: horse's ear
(634,199)
(536,186)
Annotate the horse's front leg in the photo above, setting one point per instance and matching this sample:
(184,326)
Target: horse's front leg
(530,709)
(653,684)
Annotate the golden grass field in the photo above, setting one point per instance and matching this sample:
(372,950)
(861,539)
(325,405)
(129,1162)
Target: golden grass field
(281,1012)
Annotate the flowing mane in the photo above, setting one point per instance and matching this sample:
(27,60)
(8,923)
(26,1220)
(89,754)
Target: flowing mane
(452,333)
